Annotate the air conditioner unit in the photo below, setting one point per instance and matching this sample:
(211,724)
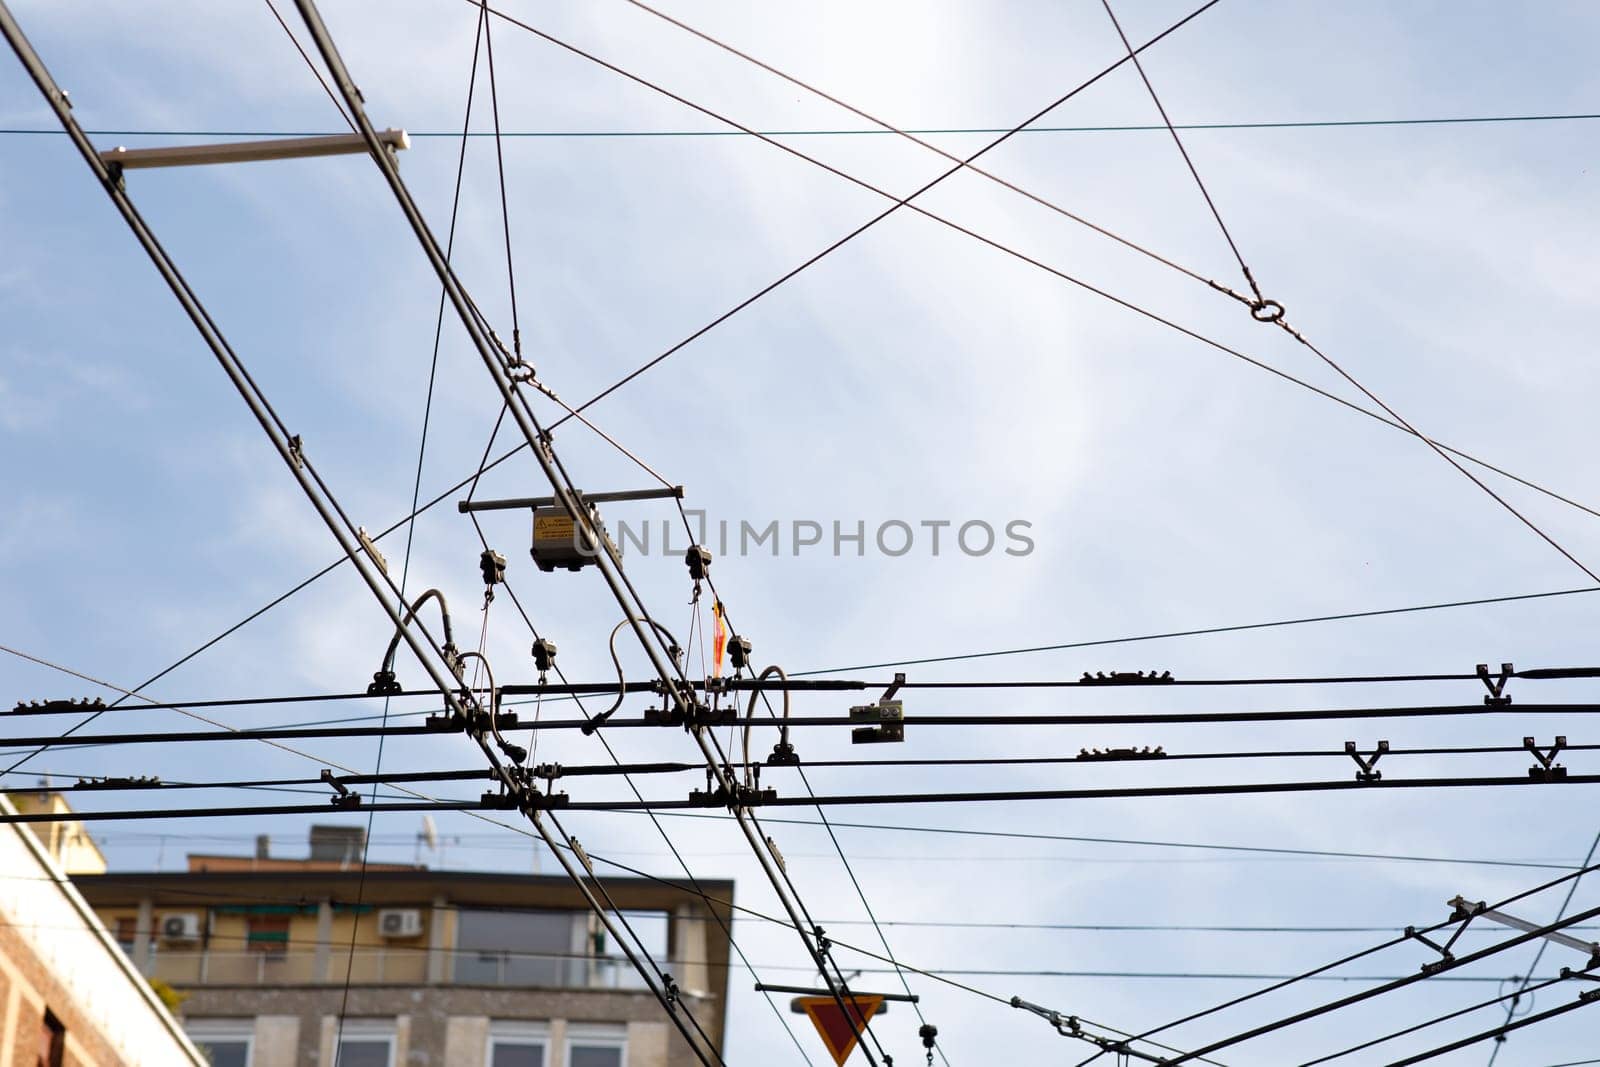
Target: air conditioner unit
(180,926)
(399,922)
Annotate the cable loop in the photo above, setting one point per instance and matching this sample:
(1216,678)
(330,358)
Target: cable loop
(1266,310)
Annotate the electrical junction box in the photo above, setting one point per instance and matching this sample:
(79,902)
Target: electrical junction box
(559,542)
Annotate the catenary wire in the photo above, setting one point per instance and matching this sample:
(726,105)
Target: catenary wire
(1539,955)
(1446,120)
(288,446)
(899,202)
(1145,312)
(422,443)
(1155,98)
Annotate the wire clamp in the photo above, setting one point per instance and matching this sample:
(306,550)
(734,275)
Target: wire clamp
(87,704)
(1464,913)
(928,1032)
(583,857)
(888,717)
(501,801)
(343,798)
(740,796)
(783,755)
(369,545)
(739,649)
(1126,678)
(1497,697)
(1548,769)
(297,451)
(144,781)
(823,944)
(1367,773)
(383,685)
(1090,755)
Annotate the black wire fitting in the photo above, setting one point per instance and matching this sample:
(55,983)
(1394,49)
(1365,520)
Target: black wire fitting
(493,566)
(1497,697)
(383,685)
(343,798)
(741,796)
(87,704)
(544,654)
(739,652)
(1368,764)
(699,560)
(1125,678)
(1548,769)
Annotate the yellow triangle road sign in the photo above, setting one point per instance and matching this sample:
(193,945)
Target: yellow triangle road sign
(838,1030)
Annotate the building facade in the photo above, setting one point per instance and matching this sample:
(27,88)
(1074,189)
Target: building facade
(283,963)
(68,996)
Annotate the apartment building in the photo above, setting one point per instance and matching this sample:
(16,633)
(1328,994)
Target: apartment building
(287,962)
(68,997)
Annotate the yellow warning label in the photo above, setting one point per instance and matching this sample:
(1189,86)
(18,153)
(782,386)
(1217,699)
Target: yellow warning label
(553,528)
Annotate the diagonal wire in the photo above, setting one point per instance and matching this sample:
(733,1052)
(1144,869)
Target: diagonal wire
(1394,421)
(1156,99)
(298,47)
(899,202)
(416,485)
(1588,859)
(655,821)
(1260,303)
(909,135)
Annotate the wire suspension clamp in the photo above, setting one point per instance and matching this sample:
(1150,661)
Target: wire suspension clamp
(1547,770)
(1497,697)
(1368,764)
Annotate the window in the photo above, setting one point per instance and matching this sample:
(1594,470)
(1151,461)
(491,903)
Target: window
(52,1040)
(127,934)
(513,1043)
(365,1043)
(597,1045)
(519,948)
(268,934)
(225,1042)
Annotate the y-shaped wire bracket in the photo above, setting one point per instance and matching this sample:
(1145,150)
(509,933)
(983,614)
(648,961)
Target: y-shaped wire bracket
(1367,773)
(1548,769)
(1497,697)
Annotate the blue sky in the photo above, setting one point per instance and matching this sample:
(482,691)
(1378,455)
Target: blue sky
(913,375)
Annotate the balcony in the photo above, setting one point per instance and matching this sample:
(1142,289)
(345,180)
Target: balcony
(389,966)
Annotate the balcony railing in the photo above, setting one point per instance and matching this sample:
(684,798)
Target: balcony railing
(389,966)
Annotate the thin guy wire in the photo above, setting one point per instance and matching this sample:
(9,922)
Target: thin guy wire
(899,202)
(1453,120)
(930,146)
(1543,944)
(1394,422)
(310,66)
(1156,99)
(500,163)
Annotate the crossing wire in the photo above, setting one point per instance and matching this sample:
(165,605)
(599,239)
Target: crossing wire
(1539,955)
(427,418)
(1391,421)
(1302,124)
